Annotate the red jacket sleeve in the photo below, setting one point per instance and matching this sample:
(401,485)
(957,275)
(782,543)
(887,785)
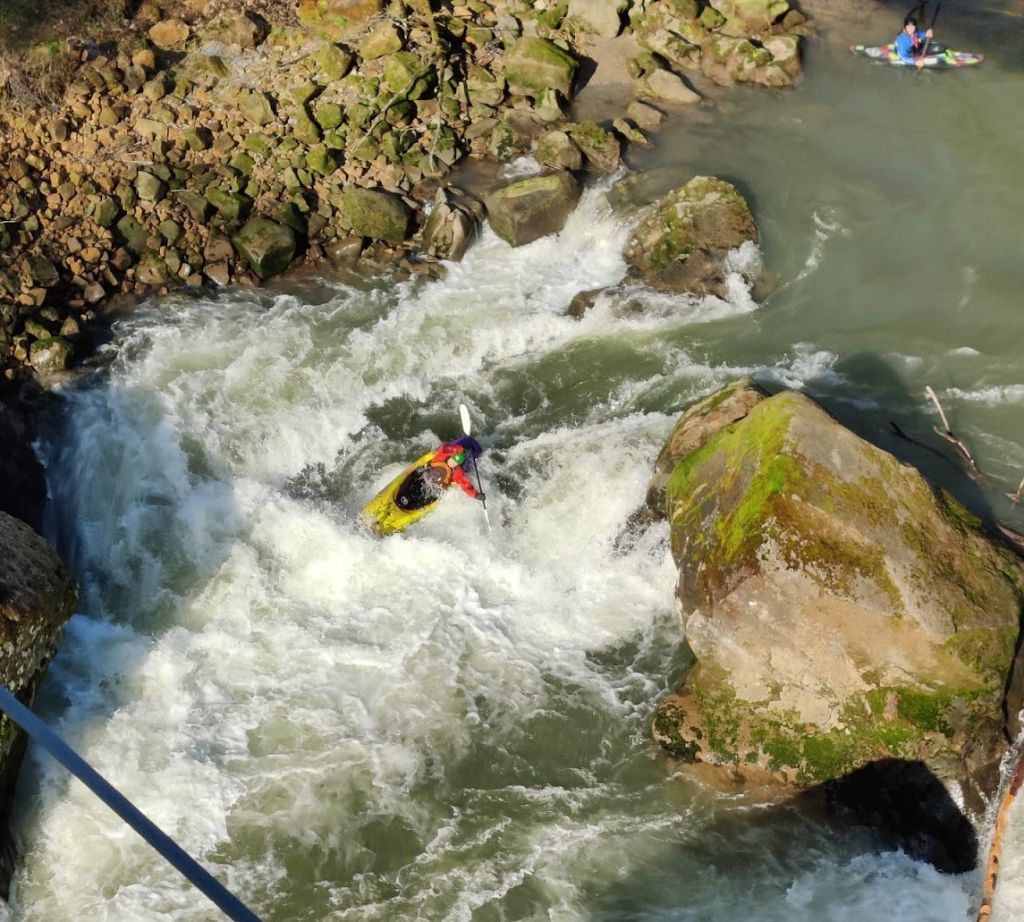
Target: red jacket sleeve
(459,476)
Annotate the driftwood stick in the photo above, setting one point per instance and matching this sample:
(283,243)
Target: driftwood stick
(938,406)
(947,433)
(995,849)
(1018,497)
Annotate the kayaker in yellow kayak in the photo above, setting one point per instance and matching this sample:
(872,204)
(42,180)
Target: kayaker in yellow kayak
(413,493)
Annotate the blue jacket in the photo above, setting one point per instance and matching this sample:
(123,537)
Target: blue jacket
(905,45)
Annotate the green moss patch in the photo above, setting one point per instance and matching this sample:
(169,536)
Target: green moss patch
(755,468)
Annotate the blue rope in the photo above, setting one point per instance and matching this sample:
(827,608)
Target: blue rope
(226,901)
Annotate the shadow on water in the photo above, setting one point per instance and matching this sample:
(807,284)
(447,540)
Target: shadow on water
(908,808)
(787,857)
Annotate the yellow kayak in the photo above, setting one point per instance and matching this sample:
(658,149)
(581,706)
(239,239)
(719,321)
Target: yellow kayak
(385,513)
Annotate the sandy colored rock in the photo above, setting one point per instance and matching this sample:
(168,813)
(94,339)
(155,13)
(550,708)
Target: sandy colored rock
(170,34)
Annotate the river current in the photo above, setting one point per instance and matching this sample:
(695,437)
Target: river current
(453,723)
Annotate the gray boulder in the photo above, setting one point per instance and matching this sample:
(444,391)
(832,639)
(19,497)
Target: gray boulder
(448,231)
(598,17)
(375,214)
(557,151)
(728,60)
(748,17)
(534,66)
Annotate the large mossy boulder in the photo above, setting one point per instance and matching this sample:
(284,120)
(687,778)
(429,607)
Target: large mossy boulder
(527,209)
(268,247)
(535,66)
(375,214)
(682,242)
(841,610)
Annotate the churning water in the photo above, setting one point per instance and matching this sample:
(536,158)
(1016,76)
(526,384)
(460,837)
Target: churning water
(452,723)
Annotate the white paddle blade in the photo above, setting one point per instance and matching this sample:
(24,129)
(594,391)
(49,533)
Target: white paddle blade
(467,423)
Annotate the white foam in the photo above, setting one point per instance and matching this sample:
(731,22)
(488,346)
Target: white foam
(521,167)
(992,396)
(826,226)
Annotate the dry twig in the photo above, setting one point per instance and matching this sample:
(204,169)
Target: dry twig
(948,435)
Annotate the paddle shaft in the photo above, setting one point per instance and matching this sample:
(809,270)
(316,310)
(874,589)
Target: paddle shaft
(467,427)
(927,40)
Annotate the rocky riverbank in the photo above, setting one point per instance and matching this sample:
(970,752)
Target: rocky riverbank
(205,145)
(37,597)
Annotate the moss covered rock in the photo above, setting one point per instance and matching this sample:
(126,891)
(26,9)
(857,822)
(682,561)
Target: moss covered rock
(51,354)
(268,247)
(841,609)
(598,17)
(375,214)
(682,242)
(535,65)
(557,151)
(36,599)
(528,209)
(336,19)
(600,148)
(728,60)
(748,17)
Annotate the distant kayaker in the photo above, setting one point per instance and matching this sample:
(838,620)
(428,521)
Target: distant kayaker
(446,467)
(911,43)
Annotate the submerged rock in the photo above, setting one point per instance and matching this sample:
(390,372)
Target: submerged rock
(841,610)
(682,243)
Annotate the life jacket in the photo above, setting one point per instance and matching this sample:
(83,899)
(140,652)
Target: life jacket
(439,473)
